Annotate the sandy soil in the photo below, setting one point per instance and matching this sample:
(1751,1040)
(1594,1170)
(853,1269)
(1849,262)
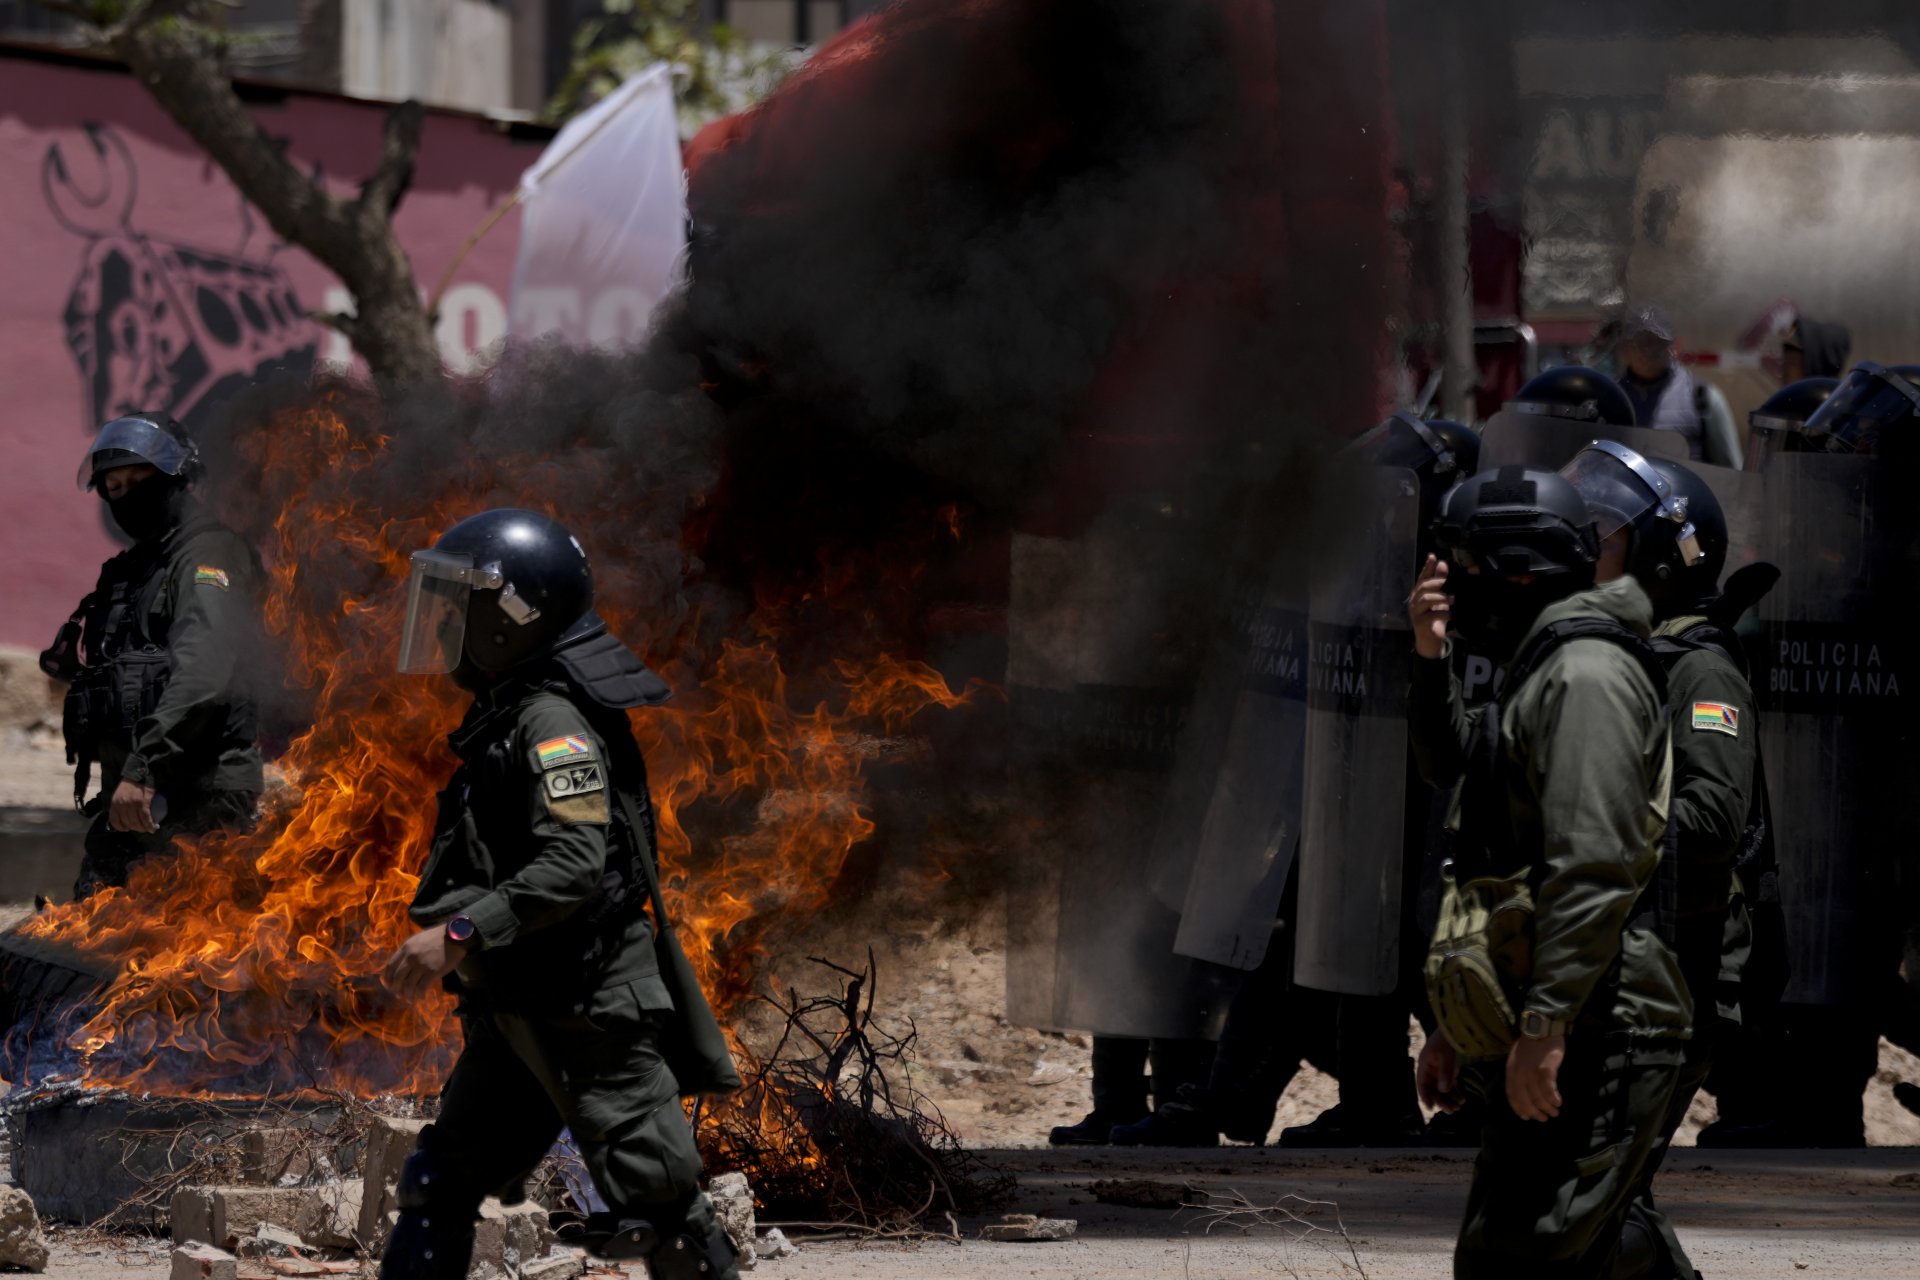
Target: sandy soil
(1753,1215)
(1004,1086)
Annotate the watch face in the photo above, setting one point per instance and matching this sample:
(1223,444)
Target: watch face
(460,929)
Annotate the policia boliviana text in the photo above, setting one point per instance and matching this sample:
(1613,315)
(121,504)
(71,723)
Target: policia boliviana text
(158,692)
(533,906)
(1570,1031)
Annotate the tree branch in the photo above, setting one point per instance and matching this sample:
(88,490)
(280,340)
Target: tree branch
(399,144)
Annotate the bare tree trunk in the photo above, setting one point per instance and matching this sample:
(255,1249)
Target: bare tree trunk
(352,238)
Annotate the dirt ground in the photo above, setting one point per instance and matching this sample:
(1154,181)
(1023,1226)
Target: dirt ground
(1752,1215)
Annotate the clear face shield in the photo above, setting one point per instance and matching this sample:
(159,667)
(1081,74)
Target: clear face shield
(1869,400)
(127,442)
(1620,488)
(436,626)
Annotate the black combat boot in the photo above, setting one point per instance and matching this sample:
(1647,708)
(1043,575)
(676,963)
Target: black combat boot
(1335,1127)
(1177,1124)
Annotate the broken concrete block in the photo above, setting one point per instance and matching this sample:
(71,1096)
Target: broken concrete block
(21,1243)
(269,1156)
(1025,1226)
(191,1215)
(389,1143)
(198,1261)
(270,1240)
(565,1265)
(775,1244)
(733,1205)
(340,1218)
(508,1236)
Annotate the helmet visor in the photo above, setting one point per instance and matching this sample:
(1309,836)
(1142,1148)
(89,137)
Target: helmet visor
(436,627)
(127,442)
(1870,399)
(1615,495)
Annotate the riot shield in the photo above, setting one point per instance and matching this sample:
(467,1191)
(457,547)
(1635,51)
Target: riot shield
(1531,440)
(1353,829)
(1742,496)
(1831,675)
(1251,825)
(1097,700)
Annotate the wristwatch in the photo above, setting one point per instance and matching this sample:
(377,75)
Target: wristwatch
(460,929)
(1535,1025)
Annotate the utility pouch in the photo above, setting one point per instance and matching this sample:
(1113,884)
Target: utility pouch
(1481,961)
(138,678)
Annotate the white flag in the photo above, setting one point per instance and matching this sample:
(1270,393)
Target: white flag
(603,221)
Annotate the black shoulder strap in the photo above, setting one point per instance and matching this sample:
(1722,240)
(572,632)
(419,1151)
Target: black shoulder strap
(1555,634)
(1701,403)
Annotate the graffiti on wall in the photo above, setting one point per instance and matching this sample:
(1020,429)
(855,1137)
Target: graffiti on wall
(159,324)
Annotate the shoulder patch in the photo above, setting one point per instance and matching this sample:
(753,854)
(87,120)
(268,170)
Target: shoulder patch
(1716,717)
(557,753)
(207,575)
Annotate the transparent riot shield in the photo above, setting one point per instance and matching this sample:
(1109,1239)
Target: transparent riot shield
(1832,678)
(1529,440)
(1353,829)
(1251,826)
(1742,496)
(1098,700)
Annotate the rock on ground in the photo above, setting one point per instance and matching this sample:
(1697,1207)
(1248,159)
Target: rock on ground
(21,1242)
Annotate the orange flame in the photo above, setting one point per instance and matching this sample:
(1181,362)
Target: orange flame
(250,962)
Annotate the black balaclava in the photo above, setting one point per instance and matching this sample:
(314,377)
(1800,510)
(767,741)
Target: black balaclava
(1493,613)
(149,508)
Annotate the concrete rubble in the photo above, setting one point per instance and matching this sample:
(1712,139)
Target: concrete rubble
(733,1205)
(21,1242)
(775,1244)
(1028,1227)
(197,1260)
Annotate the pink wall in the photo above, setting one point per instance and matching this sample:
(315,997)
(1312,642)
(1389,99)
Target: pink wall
(136,277)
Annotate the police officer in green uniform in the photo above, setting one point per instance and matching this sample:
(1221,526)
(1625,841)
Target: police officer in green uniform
(156,659)
(1661,524)
(532,906)
(1563,790)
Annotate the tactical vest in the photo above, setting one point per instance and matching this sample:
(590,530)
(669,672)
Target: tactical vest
(1487,844)
(115,665)
(489,773)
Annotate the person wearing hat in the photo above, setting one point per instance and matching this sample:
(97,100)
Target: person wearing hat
(158,693)
(1665,394)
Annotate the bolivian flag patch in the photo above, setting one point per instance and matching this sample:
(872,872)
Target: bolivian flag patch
(1716,717)
(207,575)
(555,752)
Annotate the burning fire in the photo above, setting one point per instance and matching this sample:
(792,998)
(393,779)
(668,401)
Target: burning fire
(250,963)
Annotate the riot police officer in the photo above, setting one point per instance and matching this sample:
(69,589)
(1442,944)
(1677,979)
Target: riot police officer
(1779,424)
(1561,807)
(157,658)
(533,904)
(1659,523)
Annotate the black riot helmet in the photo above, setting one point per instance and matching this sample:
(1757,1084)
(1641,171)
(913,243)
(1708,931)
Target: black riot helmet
(1779,425)
(153,438)
(1519,539)
(1520,522)
(1868,400)
(1439,451)
(500,589)
(1574,393)
(1677,534)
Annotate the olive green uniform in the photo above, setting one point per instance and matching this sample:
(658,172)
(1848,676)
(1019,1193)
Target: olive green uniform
(561,999)
(1587,768)
(1715,754)
(192,595)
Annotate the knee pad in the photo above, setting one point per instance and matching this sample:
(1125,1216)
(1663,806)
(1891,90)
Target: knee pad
(433,1239)
(707,1255)
(1643,1250)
